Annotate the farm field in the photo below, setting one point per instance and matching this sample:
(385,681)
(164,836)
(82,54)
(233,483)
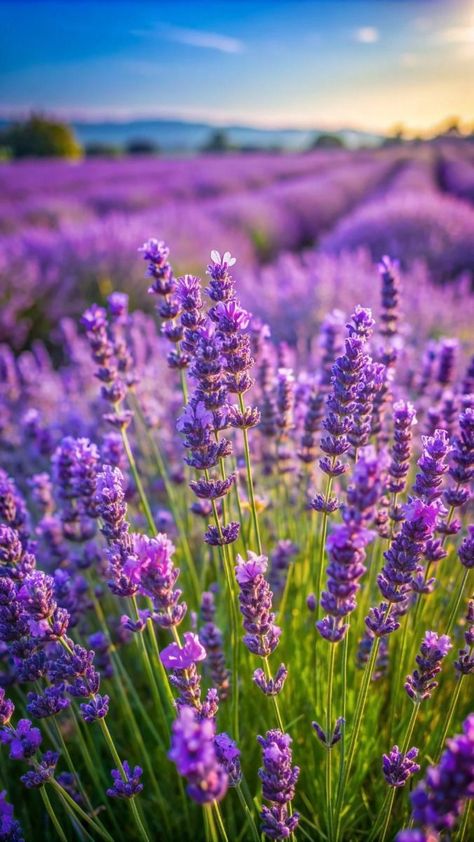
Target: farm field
(236,541)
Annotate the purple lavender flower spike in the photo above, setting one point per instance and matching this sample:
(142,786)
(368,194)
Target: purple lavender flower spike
(431,466)
(43,771)
(466,549)
(398,768)
(181,663)
(24,740)
(51,702)
(228,755)
(110,503)
(211,638)
(434,648)
(128,787)
(404,418)
(96,708)
(194,753)
(271,686)
(438,800)
(329,741)
(347,376)
(278,778)
(10,828)
(149,567)
(255,600)
(464,664)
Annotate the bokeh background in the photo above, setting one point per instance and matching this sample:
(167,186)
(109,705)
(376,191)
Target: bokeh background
(309,138)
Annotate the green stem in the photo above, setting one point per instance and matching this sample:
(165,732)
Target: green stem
(449,719)
(248,813)
(73,805)
(52,814)
(358,718)
(250,480)
(332,656)
(457,601)
(219,820)
(274,698)
(138,483)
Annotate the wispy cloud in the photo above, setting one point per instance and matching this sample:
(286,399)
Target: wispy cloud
(366,35)
(204,40)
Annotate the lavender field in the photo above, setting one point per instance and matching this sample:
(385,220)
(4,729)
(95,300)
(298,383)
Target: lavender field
(237,456)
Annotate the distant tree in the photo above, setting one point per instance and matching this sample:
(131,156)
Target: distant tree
(395,136)
(40,137)
(141,146)
(218,142)
(327,141)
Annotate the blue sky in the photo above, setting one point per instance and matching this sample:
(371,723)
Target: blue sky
(269,62)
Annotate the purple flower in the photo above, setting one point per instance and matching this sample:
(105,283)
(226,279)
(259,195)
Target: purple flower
(42,772)
(96,708)
(228,755)
(10,829)
(110,503)
(24,740)
(330,740)
(181,658)
(271,686)
(432,466)
(466,549)
(255,600)
(404,418)
(434,648)
(398,767)
(125,785)
(51,702)
(437,802)
(194,753)
(278,778)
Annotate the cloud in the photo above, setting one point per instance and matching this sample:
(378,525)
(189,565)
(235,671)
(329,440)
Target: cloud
(205,40)
(366,35)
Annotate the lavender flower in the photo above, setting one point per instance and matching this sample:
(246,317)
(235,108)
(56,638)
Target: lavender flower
(149,566)
(42,772)
(278,778)
(434,648)
(181,662)
(432,466)
(228,755)
(330,740)
(194,753)
(10,829)
(398,768)
(255,600)
(404,418)
(438,801)
(346,548)
(24,740)
(464,664)
(126,782)
(466,549)
(347,374)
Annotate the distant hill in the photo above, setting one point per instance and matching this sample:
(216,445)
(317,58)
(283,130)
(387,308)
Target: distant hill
(182,136)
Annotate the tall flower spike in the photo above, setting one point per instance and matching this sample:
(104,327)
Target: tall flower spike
(194,753)
(421,683)
(398,768)
(347,375)
(438,801)
(255,600)
(278,778)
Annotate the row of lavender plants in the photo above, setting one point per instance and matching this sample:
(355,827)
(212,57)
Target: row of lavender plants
(235,573)
(77,243)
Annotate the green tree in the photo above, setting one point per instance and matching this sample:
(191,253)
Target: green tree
(40,137)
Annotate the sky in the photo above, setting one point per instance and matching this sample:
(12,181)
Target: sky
(298,63)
